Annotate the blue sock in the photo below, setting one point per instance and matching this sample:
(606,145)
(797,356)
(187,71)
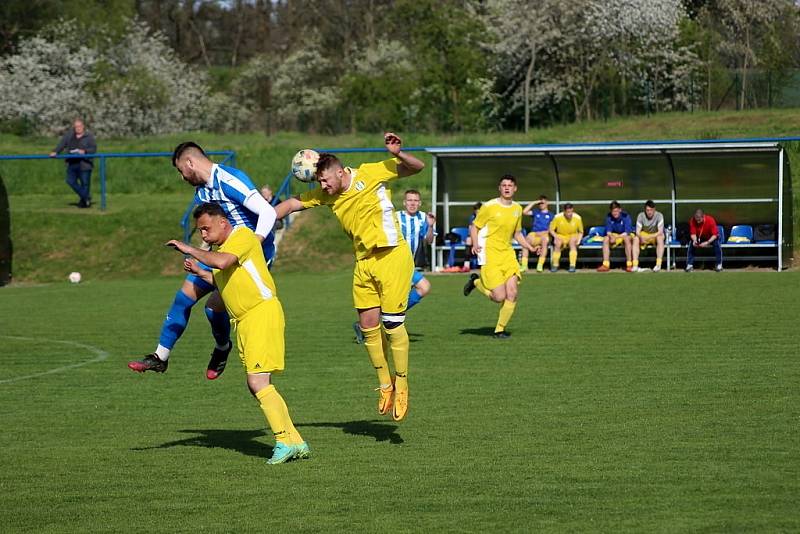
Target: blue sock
(220,326)
(177,319)
(413,298)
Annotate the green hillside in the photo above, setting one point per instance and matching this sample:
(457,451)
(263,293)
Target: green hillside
(146,197)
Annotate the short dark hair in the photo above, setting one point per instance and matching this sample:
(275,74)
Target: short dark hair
(510,177)
(208,208)
(614,204)
(183,147)
(649,204)
(543,197)
(326,161)
(568,205)
(412,192)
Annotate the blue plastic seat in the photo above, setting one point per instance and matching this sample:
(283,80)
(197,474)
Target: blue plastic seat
(593,232)
(721,231)
(741,231)
(462,232)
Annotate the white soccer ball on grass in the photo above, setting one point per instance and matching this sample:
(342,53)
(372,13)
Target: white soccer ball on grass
(75,277)
(304,165)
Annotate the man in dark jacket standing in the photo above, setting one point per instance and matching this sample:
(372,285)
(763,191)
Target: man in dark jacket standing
(78,140)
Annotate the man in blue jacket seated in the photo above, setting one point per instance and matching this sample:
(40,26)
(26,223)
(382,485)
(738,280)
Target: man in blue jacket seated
(619,228)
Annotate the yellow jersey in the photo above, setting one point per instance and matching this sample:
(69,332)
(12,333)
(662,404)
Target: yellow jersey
(247,283)
(561,225)
(497,224)
(365,209)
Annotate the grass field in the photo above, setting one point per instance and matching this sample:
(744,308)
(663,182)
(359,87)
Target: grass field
(642,403)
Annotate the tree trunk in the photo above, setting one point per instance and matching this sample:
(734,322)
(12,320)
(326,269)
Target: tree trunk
(528,78)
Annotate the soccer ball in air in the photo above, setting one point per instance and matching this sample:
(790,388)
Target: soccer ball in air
(75,277)
(304,165)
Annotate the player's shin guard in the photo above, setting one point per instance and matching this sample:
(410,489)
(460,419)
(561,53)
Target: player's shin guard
(277,415)
(413,298)
(220,327)
(398,340)
(373,341)
(176,321)
(573,258)
(506,311)
(482,288)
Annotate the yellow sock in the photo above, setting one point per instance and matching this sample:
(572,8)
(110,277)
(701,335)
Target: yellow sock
(277,415)
(373,341)
(482,288)
(635,263)
(398,340)
(628,264)
(658,262)
(555,258)
(606,263)
(506,311)
(573,258)
(540,263)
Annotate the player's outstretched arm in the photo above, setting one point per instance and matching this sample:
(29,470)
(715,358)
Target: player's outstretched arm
(290,205)
(408,164)
(216,260)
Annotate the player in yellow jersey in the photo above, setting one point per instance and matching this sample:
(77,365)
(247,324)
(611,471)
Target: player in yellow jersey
(361,200)
(497,222)
(567,231)
(248,291)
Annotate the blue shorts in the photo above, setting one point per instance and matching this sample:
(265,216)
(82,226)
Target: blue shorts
(416,278)
(268,246)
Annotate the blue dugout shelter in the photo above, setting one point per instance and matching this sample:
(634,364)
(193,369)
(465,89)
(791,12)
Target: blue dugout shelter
(744,183)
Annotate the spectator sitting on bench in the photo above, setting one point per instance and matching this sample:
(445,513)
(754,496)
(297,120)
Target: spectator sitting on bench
(704,233)
(649,231)
(566,229)
(538,236)
(618,232)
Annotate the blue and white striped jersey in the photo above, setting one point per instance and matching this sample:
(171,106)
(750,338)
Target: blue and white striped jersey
(414,227)
(230,188)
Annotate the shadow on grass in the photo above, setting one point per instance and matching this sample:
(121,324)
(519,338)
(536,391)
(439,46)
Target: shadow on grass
(413,338)
(377,429)
(485,331)
(242,441)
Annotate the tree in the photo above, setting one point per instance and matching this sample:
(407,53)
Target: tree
(524,30)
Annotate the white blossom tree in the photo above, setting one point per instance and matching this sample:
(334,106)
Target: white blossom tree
(131,84)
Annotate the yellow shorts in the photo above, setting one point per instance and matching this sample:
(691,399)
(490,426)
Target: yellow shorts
(564,238)
(496,273)
(646,238)
(615,240)
(382,280)
(535,239)
(259,336)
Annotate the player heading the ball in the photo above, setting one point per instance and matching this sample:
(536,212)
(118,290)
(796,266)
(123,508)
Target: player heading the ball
(361,200)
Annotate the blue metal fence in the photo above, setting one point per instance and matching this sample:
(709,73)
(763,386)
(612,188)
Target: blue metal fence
(229,157)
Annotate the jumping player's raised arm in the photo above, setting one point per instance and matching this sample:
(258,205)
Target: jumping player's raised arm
(408,165)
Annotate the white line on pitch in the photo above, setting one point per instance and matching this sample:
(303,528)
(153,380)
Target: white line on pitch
(100,355)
